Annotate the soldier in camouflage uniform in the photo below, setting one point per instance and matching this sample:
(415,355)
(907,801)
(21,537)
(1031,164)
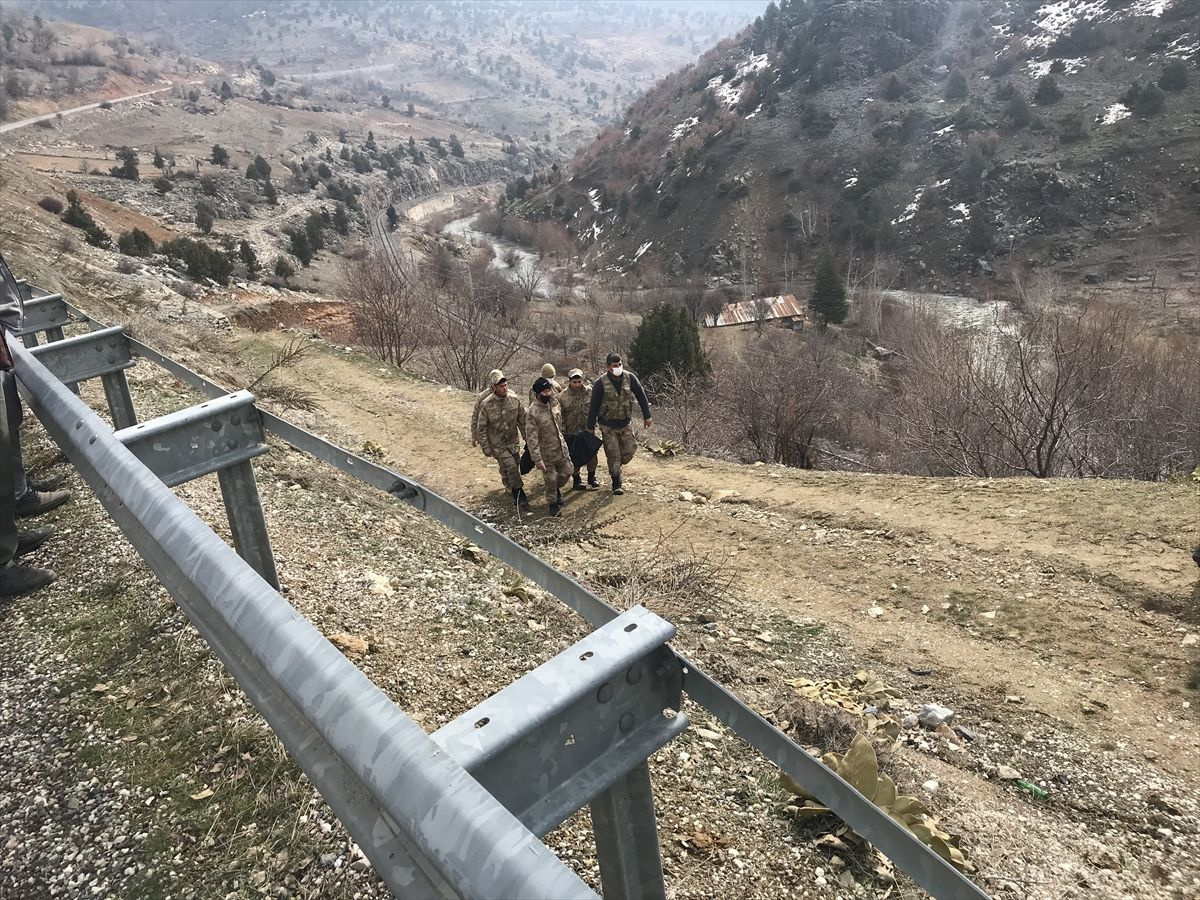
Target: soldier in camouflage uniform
(547,448)
(612,406)
(574,403)
(483,395)
(501,420)
(548,373)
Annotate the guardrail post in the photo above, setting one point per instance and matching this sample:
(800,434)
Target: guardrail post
(220,436)
(627,839)
(104,354)
(578,729)
(120,401)
(246,520)
(48,314)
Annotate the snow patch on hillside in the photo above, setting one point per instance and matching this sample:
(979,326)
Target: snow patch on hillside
(642,249)
(1114,114)
(684,128)
(730,92)
(594,197)
(910,211)
(1038,68)
(1054,19)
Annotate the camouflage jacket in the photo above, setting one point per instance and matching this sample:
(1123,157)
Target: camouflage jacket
(500,421)
(574,405)
(544,432)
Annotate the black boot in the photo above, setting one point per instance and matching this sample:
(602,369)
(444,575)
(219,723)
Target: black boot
(522,500)
(592,482)
(16,579)
(578,485)
(617,489)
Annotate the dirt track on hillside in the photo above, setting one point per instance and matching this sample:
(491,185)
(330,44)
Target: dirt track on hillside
(1065,593)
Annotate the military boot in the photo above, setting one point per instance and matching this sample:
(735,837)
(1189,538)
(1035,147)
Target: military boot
(592,482)
(617,489)
(578,485)
(16,579)
(522,500)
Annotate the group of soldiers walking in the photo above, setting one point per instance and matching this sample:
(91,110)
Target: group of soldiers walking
(559,428)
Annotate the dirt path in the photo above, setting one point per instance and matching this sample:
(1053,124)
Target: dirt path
(1062,600)
(33,120)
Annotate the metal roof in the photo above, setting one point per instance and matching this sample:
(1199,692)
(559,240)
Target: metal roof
(746,312)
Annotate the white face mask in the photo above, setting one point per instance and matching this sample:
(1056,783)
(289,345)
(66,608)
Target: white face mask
(618,371)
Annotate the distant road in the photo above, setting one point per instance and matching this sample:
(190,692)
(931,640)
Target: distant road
(25,123)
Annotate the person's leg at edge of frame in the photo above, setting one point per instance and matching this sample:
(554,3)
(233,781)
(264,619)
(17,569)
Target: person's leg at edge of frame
(14,579)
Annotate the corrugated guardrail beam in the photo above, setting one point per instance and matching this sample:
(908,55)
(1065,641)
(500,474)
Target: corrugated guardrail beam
(429,829)
(920,862)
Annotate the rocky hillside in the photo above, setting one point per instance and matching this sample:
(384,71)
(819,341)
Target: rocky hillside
(951,136)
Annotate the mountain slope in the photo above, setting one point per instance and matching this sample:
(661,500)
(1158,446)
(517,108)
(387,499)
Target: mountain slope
(948,135)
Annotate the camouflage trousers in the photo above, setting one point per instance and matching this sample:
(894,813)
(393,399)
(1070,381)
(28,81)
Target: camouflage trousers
(619,447)
(556,475)
(510,469)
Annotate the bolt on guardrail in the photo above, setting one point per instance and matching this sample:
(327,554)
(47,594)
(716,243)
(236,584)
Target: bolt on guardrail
(625,802)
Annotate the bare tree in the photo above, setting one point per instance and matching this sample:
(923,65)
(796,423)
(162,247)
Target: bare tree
(689,410)
(387,310)
(470,331)
(787,397)
(1068,391)
(529,277)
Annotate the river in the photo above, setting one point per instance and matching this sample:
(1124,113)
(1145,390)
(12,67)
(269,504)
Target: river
(525,259)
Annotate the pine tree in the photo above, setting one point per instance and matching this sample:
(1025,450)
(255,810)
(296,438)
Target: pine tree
(159,162)
(284,269)
(1017,113)
(667,339)
(392,217)
(204,218)
(1047,91)
(226,92)
(828,299)
(129,165)
(220,156)
(956,86)
(249,258)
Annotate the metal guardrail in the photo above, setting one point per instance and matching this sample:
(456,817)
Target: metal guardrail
(427,826)
(916,859)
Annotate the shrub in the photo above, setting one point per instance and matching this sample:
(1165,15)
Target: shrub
(892,88)
(202,261)
(1073,127)
(1145,100)
(1017,113)
(127,266)
(129,165)
(283,268)
(135,243)
(51,205)
(816,119)
(163,184)
(956,86)
(1047,91)
(76,214)
(220,156)
(1174,76)
(205,217)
